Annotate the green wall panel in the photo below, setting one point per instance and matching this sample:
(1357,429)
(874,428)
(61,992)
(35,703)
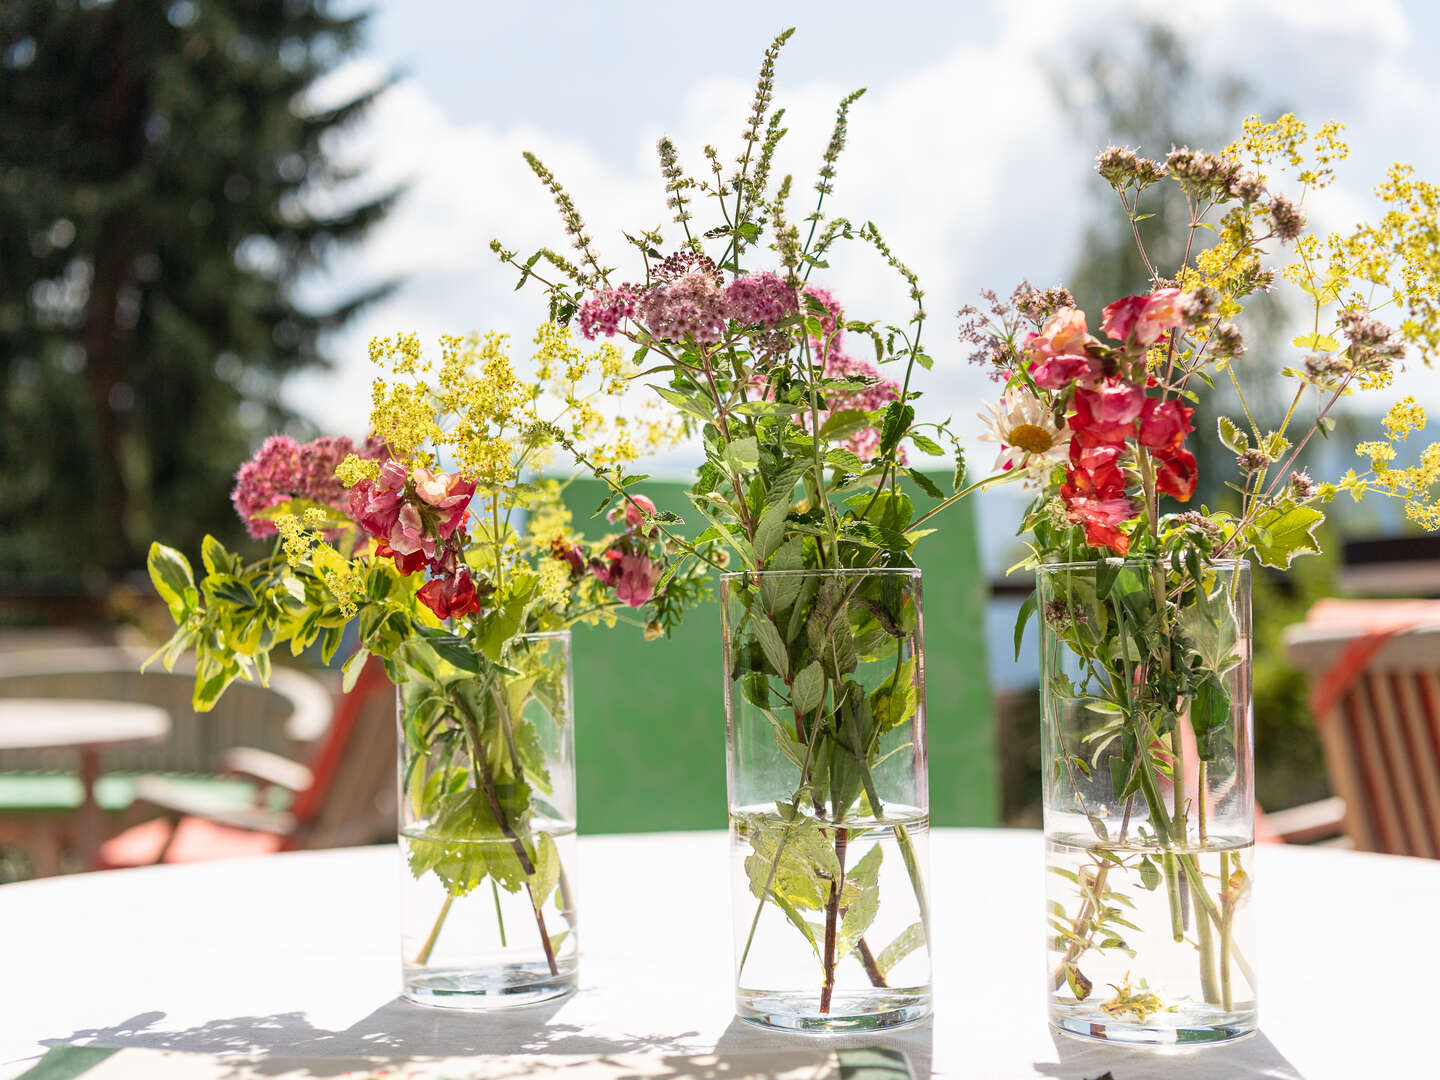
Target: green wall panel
(649,716)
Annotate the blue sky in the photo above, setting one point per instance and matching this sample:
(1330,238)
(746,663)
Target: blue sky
(959,150)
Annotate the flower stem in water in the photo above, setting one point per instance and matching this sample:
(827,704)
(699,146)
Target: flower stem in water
(499,917)
(423,956)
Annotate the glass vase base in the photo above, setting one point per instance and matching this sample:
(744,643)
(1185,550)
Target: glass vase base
(850,1011)
(486,989)
(1191,1027)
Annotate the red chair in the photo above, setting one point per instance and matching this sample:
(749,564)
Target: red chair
(344,796)
(1375,696)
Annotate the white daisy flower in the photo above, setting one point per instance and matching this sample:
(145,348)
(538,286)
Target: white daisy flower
(1025,430)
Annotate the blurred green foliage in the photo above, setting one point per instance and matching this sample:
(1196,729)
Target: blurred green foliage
(162,189)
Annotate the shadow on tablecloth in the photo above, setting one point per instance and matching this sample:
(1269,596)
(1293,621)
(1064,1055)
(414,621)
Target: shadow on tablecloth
(1255,1058)
(396,1029)
(917,1043)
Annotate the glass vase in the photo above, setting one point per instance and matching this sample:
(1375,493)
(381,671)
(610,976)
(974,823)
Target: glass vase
(828,797)
(1149,799)
(487,824)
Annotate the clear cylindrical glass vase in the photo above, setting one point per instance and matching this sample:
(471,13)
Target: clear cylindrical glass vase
(828,797)
(487,824)
(1149,799)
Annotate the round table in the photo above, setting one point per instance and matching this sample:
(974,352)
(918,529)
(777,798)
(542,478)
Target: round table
(298,955)
(88,728)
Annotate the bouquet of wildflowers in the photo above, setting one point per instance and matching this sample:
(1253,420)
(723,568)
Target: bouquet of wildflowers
(1144,658)
(439,547)
(805,445)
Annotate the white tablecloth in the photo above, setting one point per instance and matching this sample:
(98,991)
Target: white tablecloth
(298,954)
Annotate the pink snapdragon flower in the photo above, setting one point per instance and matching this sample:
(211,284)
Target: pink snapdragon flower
(632,576)
(449,493)
(1065,332)
(1143,319)
(637,508)
(407,535)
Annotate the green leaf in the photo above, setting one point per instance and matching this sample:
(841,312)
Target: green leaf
(861,900)
(959,471)
(743,454)
(352,669)
(843,423)
(171,575)
(1209,628)
(1079,985)
(1022,619)
(1149,874)
(845,460)
(547,868)
(772,644)
(927,445)
(906,942)
(1282,532)
(1106,572)
(455,650)
(1233,438)
(808,689)
(1210,716)
(686,403)
(770,530)
(925,484)
(216,559)
(893,702)
(898,419)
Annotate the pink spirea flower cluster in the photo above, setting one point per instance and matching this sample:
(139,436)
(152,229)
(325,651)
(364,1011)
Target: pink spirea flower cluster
(865,443)
(691,301)
(692,306)
(283,469)
(603,313)
(760,299)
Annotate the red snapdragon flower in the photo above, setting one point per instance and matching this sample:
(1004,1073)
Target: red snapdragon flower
(1107,414)
(1176,473)
(1094,501)
(451,596)
(1164,424)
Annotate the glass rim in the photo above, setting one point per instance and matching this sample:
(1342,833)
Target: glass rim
(1229,562)
(860,571)
(542,635)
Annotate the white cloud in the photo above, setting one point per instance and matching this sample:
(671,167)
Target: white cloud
(967,165)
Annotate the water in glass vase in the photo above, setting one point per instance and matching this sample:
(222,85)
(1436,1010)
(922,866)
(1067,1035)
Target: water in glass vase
(492,944)
(832,925)
(1150,945)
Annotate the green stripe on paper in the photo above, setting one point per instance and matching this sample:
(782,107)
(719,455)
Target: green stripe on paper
(68,1062)
(873,1063)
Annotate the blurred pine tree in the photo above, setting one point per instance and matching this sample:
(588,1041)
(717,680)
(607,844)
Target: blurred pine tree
(163,186)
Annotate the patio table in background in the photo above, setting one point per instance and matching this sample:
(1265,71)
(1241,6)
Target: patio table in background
(298,955)
(89,728)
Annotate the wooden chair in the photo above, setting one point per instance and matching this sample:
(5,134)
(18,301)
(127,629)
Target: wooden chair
(40,791)
(344,796)
(1376,700)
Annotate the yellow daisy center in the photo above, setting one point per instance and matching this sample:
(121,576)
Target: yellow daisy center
(1031,438)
